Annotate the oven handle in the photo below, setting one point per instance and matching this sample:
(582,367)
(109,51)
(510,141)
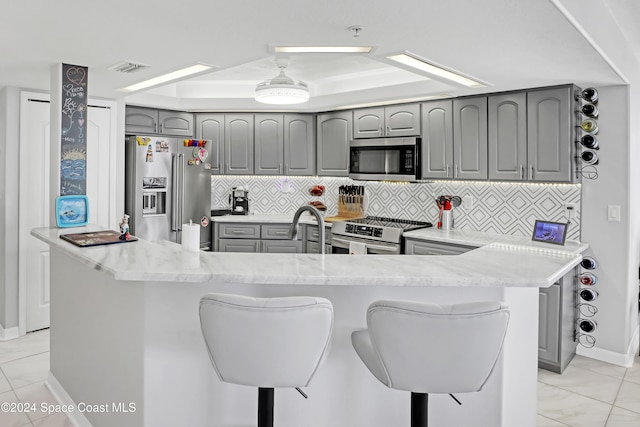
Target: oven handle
(335,240)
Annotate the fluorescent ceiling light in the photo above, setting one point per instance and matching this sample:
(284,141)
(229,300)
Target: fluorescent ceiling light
(323,49)
(199,68)
(434,70)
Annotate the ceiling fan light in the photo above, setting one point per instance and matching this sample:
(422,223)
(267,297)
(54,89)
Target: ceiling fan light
(282,90)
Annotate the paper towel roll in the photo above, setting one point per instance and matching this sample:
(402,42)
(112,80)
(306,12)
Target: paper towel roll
(191,237)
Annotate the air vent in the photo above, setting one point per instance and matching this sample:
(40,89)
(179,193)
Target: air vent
(127,67)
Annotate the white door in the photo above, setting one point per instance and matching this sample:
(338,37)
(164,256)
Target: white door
(34,195)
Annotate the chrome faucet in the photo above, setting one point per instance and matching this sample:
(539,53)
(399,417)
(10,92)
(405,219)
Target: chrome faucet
(293,230)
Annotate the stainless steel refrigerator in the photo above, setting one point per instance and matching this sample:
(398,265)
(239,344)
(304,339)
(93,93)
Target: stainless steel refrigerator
(167,184)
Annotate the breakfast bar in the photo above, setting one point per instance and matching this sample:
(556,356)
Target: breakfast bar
(129,333)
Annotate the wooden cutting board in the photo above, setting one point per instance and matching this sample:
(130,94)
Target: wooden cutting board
(340,218)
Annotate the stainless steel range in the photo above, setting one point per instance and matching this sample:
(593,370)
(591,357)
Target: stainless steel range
(373,234)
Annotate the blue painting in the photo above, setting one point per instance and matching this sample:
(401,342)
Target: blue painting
(72,211)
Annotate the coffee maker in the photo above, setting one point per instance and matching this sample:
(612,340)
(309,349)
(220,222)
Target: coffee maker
(239,201)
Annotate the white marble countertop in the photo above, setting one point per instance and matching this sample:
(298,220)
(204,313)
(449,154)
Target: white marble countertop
(268,219)
(493,265)
(480,238)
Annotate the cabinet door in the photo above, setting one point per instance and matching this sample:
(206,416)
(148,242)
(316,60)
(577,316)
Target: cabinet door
(238,245)
(508,136)
(368,123)
(176,123)
(470,138)
(420,247)
(437,139)
(548,323)
(269,144)
(299,145)
(402,120)
(238,144)
(282,246)
(550,134)
(211,127)
(140,120)
(275,231)
(334,133)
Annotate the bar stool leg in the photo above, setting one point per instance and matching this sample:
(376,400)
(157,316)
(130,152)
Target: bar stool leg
(419,409)
(265,407)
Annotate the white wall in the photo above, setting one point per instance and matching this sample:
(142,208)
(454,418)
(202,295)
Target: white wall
(9,151)
(617,245)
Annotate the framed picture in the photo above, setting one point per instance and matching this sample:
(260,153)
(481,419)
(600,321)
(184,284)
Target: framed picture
(72,211)
(550,232)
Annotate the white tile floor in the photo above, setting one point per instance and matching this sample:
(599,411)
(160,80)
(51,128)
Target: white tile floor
(588,394)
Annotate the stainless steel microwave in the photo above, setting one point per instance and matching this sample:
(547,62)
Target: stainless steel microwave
(385,159)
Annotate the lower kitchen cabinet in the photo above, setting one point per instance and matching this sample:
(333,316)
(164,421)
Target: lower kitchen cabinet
(255,238)
(557,308)
(556,324)
(311,240)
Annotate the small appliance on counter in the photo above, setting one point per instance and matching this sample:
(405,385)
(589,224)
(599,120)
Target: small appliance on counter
(239,201)
(445,211)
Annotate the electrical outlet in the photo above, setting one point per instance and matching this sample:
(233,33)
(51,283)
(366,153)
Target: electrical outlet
(467,202)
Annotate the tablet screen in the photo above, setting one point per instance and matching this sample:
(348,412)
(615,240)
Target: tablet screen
(550,232)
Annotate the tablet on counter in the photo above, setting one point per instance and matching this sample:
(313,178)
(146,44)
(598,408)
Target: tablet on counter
(550,232)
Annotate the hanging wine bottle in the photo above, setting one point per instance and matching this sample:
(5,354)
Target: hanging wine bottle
(590,141)
(590,94)
(590,126)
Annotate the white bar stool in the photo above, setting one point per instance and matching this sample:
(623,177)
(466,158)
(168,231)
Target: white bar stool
(427,348)
(266,342)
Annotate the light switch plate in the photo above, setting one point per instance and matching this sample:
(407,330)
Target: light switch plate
(613,212)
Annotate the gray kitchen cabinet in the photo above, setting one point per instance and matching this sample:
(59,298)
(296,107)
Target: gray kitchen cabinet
(334,131)
(238,245)
(557,323)
(269,144)
(551,125)
(508,136)
(470,138)
(140,120)
(392,121)
(311,240)
(299,144)
(284,144)
(281,246)
(238,144)
(211,127)
(437,139)
(428,247)
(255,237)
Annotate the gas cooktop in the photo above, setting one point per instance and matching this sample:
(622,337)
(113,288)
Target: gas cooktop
(403,224)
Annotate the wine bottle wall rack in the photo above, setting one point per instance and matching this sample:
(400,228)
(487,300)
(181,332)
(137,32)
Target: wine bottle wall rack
(586,309)
(587,157)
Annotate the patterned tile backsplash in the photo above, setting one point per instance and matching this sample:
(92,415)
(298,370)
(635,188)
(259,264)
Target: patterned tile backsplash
(506,208)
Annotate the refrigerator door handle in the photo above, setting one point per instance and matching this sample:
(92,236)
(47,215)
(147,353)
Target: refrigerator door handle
(180,190)
(174,192)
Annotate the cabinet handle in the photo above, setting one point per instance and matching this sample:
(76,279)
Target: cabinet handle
(530,171)
(286,169)
(280,168)
(380,133)
(455,171)
(521,167)
(260,246)
(388,130)
(448,170)
(160,128)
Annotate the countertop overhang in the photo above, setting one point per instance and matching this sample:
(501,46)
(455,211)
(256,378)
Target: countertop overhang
(492,265)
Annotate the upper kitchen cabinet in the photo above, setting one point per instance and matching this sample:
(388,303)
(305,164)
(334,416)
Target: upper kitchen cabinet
(470,138)
(334,132)
(139,120)
(269,144)
(238,144)
(437,139)
(551,134)
(211,127)
(508,136)
(396,120)
(284,144)
(299,144)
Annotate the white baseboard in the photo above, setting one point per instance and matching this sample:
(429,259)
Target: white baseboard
(61,396)
(612,357)
(9,333)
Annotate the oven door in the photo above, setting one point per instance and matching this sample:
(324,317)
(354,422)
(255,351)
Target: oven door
(340,245)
